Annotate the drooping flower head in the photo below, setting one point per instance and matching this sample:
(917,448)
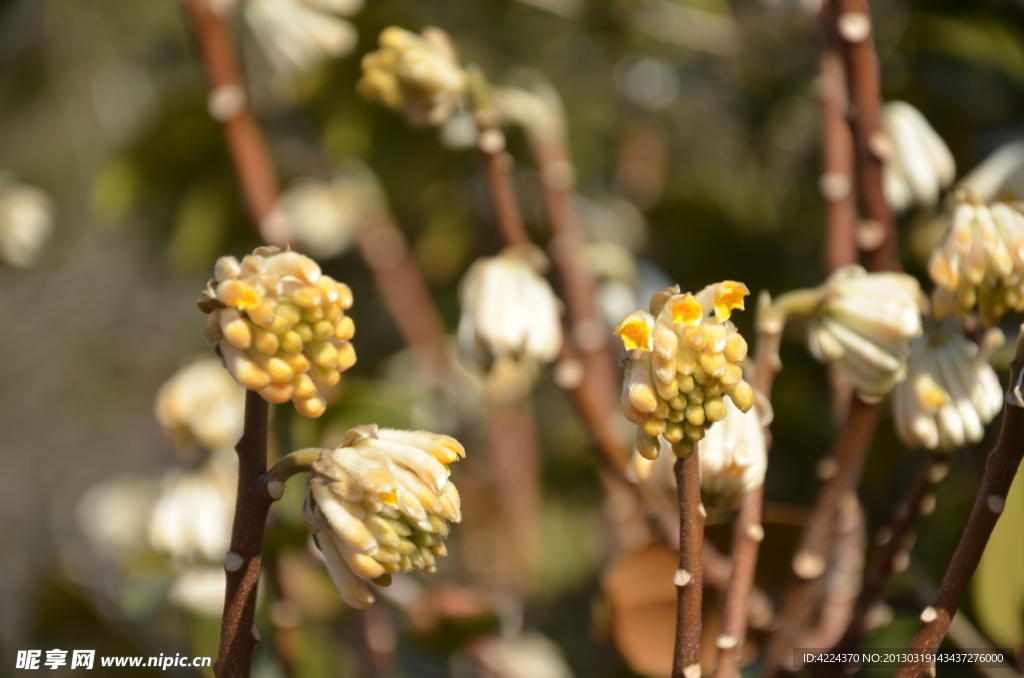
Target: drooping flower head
(296,35)
(951,392)
(921,165)
(202,404)
(981,263)
(191,519)
(26,221)
(683,359)
(279,324)
(416,75)
(380,504)
(863,324)
(511,320)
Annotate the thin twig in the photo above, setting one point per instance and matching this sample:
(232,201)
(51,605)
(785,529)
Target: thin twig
(238,635)
(228,103)
(689,578)
(1000,469)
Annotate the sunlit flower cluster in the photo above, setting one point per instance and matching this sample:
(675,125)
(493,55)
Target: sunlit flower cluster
(417,75)
(296,35)
(920,165)
(683,359)
(511,320)
(26,221)
(981,263)
(951,392)
(201,404)
(381,503)
(863,325)
(279,323)
(191,519)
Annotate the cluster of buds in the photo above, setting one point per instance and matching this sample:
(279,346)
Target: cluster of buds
(279,323)
(862,323)
(981,262)
(191,519)
(201,404)
(381,503)
(951,392)
(511,319)
(920,165)
(417,75)
(296,35)
(683,359)
(26,221)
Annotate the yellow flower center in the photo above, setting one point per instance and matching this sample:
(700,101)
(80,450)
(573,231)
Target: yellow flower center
(686,310)
(729,296)
(635,332)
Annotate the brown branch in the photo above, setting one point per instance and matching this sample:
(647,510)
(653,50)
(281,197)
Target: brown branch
(228,104)
(238,636)
(689,578)
(836,181)
(842,474)
(1000,469)
(853,25)
(892,544)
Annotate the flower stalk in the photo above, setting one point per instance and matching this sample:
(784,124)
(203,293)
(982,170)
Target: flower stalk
(689,578)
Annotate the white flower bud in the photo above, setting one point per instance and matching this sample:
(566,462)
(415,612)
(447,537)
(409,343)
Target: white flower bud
(682,359)
(191,519)
(981,262)
(297,35)
(510,322)
(380,504)
(202,404)
(863,326)
(920,165)
(26,221)
(417,75)
(278,320)
(950,393)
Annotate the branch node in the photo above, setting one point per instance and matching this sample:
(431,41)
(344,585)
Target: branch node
(937,473)
(682,578)
(834,186)
(692,671)
(255,633)
(995,503)
(807,565)
(232,561)
(928,504)
(929,615)
(854,27)
(225,102)
(726,642)
(826,469)
(275,488)
(755,532)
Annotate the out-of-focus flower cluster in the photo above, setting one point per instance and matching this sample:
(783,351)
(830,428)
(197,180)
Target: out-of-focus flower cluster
(381,503)
(920,165)
(416,75)
(683,359)
(981,262)
(951,393)
(201,405)
(296,35)
(863,323)
(279,323)
(511,320)
(26,221)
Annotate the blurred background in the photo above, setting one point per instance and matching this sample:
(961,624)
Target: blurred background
(693,125)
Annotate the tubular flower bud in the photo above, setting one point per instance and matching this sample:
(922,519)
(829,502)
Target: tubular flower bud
(269,315)
(950,393)
(416,75)
(682,362)
(920,165)
(981,262)
(380,504)
(863,325)
(201,403)
(26,221)
(510,322)
(191,519)
(296,35)
(733,461)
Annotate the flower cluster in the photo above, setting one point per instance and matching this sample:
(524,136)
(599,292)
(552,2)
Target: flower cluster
(981,262)
(26,221)
(201,404)
(511,320)
(191,519)
(683,358)
(298,34)
(863,323)
(277,320)
(380,504)
(951,393)
(417,75)
(920,165)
